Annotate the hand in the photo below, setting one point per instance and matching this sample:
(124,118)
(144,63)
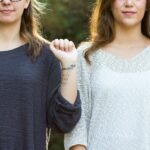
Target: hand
(78,147)
(64,50)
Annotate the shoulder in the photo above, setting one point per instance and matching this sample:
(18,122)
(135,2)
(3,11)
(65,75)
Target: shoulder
(83,66)
(47,55)
(83,47)
(47,51)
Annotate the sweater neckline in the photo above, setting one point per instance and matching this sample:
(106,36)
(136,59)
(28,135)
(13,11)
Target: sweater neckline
(133,58)
(13,50)
(138,63)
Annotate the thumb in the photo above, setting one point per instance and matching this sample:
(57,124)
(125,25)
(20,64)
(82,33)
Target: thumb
(58,54)
(52,47)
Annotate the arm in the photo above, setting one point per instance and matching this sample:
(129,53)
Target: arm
(66,53)
(68,87)
(77,139)
(64,108)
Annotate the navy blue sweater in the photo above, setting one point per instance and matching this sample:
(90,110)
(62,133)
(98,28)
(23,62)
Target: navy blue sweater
(30,100)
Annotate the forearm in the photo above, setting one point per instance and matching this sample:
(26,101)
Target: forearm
(68,86)
(78,147)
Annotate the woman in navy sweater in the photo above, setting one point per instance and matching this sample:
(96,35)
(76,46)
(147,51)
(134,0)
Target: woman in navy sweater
(37,81)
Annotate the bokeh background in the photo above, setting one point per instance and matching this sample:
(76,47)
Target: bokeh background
(66,19)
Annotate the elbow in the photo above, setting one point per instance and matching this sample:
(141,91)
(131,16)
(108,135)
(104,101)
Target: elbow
(67,121)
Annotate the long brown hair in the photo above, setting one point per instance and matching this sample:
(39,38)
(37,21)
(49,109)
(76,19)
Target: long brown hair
(30,28)
(102,28)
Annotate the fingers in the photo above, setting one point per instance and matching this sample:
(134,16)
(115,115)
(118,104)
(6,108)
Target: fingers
(63,45)
(56,43)
(66,45)
(71,45)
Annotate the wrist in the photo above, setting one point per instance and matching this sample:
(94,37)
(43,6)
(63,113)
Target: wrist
(68,62)
(69,66)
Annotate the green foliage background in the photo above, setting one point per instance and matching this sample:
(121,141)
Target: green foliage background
(66,19)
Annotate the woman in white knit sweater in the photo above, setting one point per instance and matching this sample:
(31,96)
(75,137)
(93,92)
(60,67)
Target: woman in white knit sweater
(114,79)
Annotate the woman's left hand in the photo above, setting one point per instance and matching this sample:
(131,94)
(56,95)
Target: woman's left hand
(64,50)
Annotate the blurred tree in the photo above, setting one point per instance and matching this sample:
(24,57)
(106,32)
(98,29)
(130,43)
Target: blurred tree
(67,19)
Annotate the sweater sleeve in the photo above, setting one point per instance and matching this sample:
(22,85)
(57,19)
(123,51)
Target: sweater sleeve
(62,116)
(80,132)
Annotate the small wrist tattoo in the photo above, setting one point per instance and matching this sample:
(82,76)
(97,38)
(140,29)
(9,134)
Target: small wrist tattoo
(69,67)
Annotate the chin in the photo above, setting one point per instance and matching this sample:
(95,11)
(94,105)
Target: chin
(7,21)
(130,24)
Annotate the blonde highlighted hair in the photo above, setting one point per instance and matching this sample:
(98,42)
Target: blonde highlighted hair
(30,28)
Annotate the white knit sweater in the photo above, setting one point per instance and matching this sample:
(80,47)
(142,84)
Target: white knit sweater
(115,96)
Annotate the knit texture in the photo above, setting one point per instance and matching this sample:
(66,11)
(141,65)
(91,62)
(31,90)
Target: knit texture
(115,95)
(30,100)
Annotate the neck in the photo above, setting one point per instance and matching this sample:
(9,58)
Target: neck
(10,35)
(126,35)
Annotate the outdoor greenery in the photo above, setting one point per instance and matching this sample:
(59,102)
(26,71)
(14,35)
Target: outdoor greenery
(67,19)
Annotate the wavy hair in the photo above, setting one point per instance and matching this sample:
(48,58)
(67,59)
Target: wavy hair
(30,28)
(102,27)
